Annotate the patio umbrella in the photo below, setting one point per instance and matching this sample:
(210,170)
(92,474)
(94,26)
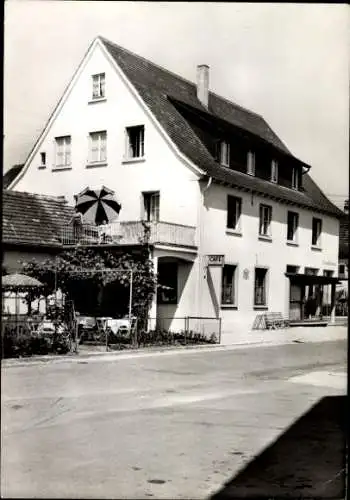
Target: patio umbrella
(19,281)
(97,205)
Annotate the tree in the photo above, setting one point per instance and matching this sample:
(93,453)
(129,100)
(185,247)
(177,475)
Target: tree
(87,276)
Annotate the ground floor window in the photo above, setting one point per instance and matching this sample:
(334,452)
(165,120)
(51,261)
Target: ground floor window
(228,288)
(260,298)
(167,278)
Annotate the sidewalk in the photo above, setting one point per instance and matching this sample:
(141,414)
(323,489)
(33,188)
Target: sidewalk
(255,338)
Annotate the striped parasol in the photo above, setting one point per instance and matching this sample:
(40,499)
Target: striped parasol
(97,205)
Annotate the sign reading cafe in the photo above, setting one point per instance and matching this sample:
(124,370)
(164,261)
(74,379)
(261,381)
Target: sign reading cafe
(215,260)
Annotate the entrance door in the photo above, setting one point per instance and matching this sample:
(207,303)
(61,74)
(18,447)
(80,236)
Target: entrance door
(296,302)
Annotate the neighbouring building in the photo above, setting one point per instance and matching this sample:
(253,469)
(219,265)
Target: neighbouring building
(342,288)
(238,227)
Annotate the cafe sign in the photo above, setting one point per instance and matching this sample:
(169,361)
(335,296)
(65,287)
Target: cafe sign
(215,260)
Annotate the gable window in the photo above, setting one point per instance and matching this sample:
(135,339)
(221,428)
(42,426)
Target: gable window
(265,217)
(43,159)
(228,287)
(295,178)
(225,153)
(63,151)
(292,226)
(234,210)
(316,232)
(260,298)
(250,163)
(167,278)
(151,206)
(98,147)
(274,171)
(135,142)
(98,86)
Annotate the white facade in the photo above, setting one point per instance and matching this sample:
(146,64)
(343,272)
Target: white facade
(183,201)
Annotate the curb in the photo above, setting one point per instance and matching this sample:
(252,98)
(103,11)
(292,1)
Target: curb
(148,352)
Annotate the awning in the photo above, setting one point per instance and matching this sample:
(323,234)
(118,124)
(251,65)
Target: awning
(311,279)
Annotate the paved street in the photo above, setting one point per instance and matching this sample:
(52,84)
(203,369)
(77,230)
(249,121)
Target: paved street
(175,425)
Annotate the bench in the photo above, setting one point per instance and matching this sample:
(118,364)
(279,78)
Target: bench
(275,320)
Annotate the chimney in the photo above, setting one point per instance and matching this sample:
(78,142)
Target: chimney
(203,84)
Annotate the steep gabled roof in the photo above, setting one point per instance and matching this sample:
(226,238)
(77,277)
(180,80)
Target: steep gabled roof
(159,87)
(10,175)
(33,219)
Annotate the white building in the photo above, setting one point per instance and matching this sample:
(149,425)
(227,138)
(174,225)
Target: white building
(216,182)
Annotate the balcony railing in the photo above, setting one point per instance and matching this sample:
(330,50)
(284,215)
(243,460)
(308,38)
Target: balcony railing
(129,233)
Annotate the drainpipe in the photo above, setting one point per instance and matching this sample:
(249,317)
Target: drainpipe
(200,256)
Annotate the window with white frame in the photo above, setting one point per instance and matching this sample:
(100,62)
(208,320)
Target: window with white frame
(292,226)
(151,202)
(228,285)
(295,178)
(63,151)
(316,232)
(98,86)
(98,147)
(135,142)
(234,210)
(260,293)
(265,217)
(225,153)
(274,171)
(251,163)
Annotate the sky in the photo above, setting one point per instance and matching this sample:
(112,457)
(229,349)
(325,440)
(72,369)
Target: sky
(287,62)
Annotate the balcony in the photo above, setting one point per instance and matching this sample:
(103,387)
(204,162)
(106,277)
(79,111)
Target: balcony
(129,233)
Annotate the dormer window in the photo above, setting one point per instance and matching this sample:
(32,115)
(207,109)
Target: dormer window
(98,86)
(225,153)
(295,178)
(251,163)
(274,171)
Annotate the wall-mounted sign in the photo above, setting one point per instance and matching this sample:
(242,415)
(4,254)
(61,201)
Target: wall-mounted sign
(215,260)
(329,263)
(245,274)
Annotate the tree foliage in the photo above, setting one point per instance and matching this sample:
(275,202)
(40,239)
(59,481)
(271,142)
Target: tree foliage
(94,277)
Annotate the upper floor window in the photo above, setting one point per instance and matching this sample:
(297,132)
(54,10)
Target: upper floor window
(251,163)
(274,171)
(260,295)
(316,232)
(151,206)
(225,153)
(341,269)
(327,272)
(295,178)
(228,287)
(98,147)
(63,151)
(135,142)
(292,226)
(234,210)
(292,269)
(311,271)
(265,217)
(98,86)
(43,159)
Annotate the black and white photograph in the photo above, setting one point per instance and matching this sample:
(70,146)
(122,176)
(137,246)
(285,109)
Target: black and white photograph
(175,245)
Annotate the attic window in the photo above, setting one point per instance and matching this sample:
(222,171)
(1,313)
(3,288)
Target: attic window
(274,171)
(43,159)
(225,153)
(295,178)
(251,163)
(98,86)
